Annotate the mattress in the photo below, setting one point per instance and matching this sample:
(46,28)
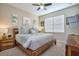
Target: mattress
(34,41)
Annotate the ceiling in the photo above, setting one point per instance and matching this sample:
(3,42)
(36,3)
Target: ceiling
(33,9)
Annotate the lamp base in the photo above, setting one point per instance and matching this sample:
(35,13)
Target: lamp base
(4,36)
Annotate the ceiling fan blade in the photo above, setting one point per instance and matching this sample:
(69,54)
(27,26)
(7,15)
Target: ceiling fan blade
(47,4)
(38,8)
(36,4)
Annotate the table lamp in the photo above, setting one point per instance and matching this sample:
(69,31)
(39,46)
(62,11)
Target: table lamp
(3,32)
(40,28)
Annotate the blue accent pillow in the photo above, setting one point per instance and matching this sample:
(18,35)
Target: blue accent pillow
(24,29)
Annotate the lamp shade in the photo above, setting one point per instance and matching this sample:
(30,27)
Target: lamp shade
(4,30)
(40,28)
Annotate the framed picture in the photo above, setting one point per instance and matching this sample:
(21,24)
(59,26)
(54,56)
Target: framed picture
(26,20)
(14,19)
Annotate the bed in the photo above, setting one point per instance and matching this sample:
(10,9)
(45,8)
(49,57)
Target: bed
(34,44)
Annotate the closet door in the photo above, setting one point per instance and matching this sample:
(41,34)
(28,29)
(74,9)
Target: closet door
(48,24)
(59,23)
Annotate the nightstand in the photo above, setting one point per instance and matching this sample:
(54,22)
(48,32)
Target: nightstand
(7,43)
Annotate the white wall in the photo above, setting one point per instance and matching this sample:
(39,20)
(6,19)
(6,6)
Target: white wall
(5,15)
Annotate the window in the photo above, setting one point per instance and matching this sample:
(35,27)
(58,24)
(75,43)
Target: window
(54,24)
(49,25)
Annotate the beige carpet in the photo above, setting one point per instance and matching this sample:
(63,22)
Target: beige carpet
(58,50)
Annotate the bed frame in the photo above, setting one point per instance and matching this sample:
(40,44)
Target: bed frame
(38,51)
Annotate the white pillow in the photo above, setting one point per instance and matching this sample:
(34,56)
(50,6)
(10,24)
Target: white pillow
(33,30)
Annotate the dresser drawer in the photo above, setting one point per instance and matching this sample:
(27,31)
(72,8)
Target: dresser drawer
(74,51)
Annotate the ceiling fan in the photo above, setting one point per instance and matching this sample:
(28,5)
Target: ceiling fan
(42,5)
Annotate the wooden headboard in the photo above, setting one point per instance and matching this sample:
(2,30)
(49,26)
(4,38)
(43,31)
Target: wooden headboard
(15,31)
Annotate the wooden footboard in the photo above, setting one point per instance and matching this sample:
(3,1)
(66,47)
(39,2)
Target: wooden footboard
(37,51)
(43,48)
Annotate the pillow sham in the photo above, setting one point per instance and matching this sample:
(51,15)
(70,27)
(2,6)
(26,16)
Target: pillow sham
(24,29)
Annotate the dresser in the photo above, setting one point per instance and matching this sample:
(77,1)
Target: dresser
(72,46)
(7,43)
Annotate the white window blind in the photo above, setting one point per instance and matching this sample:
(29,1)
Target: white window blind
(49,25)
(54,24)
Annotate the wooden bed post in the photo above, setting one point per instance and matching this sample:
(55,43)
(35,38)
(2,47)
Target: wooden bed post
(15,31)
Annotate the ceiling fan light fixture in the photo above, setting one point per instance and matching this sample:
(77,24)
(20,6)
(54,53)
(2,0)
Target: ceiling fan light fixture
(42,7)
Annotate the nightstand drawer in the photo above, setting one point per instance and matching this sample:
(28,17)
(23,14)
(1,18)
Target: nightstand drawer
(6,47)
(5,41)
(7,44)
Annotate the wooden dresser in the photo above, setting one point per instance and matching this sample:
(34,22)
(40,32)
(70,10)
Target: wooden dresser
(6,43)
(72,47)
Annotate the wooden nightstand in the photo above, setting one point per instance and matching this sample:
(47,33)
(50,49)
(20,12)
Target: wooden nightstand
(6,43)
